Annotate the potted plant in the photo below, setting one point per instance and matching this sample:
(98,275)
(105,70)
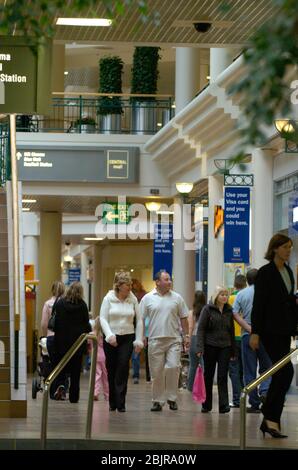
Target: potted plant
(110,81)
(85,124)
(144,76)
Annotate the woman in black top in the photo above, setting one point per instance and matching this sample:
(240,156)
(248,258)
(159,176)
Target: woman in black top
(72,319)
(274,320)
(216,341)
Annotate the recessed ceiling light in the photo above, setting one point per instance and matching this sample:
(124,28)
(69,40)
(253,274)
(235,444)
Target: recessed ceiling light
(91,239)
(208,77)
(66,72)
(25,209)
(28,201)
(83,22)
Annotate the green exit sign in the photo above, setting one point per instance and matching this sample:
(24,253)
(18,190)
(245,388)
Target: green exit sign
(116,213)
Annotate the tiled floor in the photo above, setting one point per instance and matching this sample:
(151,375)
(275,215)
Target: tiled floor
(186,426)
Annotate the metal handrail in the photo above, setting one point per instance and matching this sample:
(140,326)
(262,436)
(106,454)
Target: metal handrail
(251,386)
(53,375)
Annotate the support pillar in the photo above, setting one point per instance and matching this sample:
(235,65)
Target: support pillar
(187,83)
(220,59)
(97,279)
(183,259)
(262,205)
(84,268)
(215,246)
(49,256)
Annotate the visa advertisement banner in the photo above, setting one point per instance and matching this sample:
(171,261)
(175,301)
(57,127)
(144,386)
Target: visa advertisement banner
(236,225)
(163,248)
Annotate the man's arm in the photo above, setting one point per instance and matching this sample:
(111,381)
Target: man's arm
(238,318)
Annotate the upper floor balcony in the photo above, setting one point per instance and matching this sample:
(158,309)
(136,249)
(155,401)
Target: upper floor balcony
(102,113)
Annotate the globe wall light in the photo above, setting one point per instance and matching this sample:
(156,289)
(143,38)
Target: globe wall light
(288,130)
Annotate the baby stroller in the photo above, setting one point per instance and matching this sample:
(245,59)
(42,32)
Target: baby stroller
(44,368)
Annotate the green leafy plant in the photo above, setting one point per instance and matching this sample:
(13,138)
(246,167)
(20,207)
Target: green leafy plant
(85,121)
(110,81)
(144,72)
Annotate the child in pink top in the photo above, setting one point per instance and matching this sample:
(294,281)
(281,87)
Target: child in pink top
(101,378)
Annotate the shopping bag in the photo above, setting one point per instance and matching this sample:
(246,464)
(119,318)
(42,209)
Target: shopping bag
(198,390)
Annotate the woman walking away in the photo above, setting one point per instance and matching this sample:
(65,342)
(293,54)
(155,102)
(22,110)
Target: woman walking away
(193,320)
(216,341)
(274,321)
(72,319)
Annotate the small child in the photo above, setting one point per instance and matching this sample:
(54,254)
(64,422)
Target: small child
(101,378)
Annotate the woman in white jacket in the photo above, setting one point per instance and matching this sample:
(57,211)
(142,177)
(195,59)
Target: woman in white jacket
(119,313)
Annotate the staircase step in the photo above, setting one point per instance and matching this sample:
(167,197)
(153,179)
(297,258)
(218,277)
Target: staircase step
(3,240)
(4,268)
(4,328)
(4,312)
(4,375)
(3,211)
(3,254)
(4,297)
(4,284)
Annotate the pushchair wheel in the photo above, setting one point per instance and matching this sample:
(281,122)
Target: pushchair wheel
(35,387)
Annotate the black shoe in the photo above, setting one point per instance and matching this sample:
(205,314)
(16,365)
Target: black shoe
(273,432)
(172,405)
(204,410)
(112,408)
(121,410)
(252,409)
(156,406)
(263,399)
(225,410)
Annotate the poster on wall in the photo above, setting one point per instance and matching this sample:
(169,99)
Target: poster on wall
(236,225)
(163,248)
(293,215)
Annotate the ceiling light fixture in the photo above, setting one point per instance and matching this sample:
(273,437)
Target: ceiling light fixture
(25,209)
(92,239)
(184,188)
(165,212)
(288,130)
(83,22)
(152,206)
(29,201)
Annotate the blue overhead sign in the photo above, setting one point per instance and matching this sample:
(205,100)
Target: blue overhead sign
(74,275)
(236,225)
(163,248)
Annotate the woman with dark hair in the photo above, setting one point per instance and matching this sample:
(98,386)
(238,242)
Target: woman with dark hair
(274,320)
(193,320)
(72,319)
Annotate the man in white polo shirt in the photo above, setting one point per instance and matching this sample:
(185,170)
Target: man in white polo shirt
(167,313)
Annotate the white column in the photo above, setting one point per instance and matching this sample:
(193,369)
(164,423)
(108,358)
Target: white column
(220,59)
(84,267)
(183,259)
(215,246)
(262,205)
(31,252)
(97,278)
(187,80)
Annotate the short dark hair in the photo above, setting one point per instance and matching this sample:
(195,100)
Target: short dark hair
(251,276)
(240,281)
(276,241)
(157,275)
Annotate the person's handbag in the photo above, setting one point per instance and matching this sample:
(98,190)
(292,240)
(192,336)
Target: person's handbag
(198,390)
(52,319)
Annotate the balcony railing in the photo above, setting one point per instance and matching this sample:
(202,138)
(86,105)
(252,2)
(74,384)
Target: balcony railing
(85,113)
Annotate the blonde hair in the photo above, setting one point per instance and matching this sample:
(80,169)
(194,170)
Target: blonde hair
(218,290)
(122,277)
(97,327)
(58,288)
(74,293)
